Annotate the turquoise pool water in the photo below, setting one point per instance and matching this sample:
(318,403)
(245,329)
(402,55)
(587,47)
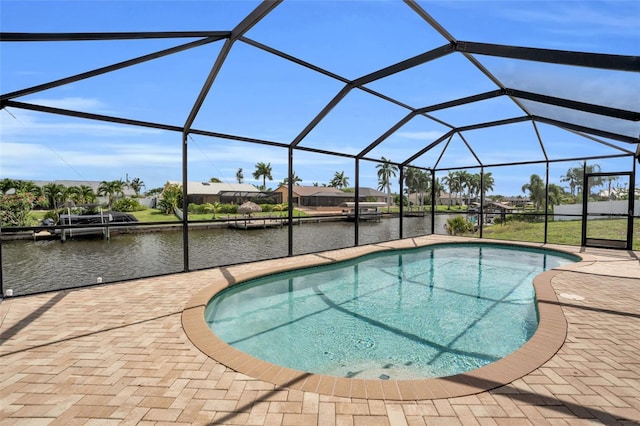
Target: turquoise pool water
(419,313)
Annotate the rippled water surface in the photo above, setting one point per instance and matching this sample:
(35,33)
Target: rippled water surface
(429,312)
(35,266)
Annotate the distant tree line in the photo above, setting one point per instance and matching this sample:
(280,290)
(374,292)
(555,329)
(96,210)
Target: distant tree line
(19,197)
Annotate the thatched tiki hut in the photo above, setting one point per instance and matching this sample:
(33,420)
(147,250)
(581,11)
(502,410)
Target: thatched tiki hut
(248,208)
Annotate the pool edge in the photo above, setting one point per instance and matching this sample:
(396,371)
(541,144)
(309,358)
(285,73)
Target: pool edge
(543,345)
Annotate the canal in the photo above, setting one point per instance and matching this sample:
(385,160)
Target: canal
(36,266)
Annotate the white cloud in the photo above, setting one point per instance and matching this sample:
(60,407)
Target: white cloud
(575,18)
(35,161)
(72,103)
(15,151)
(616,89)
(429,135)
(29,125)
(201,150)
(32,156)
(223,158)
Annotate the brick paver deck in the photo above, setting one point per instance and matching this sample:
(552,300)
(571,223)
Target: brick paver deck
(117,354)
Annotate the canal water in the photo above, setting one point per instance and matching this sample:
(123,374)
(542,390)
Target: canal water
(36,266)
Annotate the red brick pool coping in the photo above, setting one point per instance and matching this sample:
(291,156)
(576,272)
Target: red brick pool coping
(546,341)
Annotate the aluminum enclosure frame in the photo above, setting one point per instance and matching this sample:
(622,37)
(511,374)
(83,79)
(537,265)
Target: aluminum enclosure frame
(468,49)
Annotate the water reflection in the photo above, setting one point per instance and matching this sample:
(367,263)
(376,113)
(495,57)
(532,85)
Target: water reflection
(36,266)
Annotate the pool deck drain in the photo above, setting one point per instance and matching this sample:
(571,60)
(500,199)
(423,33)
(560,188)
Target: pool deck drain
(117,354)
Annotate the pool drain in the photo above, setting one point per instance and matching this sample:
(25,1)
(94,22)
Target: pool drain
(365,343)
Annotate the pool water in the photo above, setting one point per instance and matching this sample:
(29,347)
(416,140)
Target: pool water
(405,314)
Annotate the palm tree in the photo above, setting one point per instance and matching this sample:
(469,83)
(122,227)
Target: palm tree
(55,194)
(339,180)
(154,191)
(88,194)
(474,187)
(82,194)
(417,182)
(410,181)
(73,193)
(28,186)
(424,186)
(457,184)
(111,189)
(594,180)
(536,190)
(136,184)
(263,170)
(464,177)
(610,180)
(295,179)
(573,177)
(385,171)
(452,182)
(555,194)
(436,190)
(488,182)
(212,208)
(239,175)
(446,182)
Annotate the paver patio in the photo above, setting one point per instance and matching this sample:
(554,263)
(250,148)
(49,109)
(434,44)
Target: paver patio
(117,354)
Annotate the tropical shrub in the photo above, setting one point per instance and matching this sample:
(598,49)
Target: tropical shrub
(15,209)
(280,207)
(127,205)
(458,225)
(228,209)
(529,218)
(170,198)
(52,214)
(196,208)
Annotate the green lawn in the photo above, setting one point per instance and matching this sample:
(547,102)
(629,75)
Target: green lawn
(37,215)
(153,215)
(148,215)
(209,216)
(427,208)
(564,232)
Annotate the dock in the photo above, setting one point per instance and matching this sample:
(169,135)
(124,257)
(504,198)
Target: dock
(43,235)
(257,223)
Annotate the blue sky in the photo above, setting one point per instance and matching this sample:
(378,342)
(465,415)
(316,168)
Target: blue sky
(259,95)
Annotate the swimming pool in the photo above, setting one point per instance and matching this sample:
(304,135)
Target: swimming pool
(434,311)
